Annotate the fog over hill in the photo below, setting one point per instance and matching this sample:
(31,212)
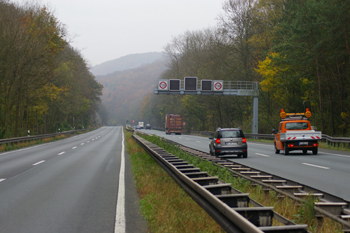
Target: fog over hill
(125,90)
(125,63)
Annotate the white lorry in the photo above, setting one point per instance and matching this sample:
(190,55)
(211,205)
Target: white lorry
(141,125)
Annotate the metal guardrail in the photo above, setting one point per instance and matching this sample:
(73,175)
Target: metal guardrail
(36,137)
(327,205)
(228,206)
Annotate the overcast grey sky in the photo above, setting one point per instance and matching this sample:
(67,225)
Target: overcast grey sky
(105,30)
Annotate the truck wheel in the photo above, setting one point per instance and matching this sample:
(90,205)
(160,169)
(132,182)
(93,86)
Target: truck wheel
(315,150)
(276,151)
(286,150)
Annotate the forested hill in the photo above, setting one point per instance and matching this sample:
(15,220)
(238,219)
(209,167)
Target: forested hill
(124,91)
(125,63)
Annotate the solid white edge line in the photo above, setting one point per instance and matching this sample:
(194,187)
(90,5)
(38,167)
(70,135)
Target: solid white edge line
(120,214)
(38,162)
(312,165)
(262,155)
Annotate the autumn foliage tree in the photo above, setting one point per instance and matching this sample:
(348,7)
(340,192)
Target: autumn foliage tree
(33,53)
(298,51)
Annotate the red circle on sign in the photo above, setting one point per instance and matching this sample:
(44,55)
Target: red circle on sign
(217,86)
(163,85)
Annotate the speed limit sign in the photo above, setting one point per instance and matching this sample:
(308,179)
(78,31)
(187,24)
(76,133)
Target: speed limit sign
(163,85)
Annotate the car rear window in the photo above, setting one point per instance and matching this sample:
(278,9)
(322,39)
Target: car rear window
(297,125)
(231,134)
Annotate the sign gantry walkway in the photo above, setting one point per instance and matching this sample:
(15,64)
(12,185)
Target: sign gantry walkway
(193,86)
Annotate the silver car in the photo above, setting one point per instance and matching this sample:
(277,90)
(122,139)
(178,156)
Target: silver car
(228,141)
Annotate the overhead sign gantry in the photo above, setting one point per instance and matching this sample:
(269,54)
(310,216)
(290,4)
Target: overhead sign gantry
(193,86)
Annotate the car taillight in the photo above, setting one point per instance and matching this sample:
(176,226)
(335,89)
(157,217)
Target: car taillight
(217,141)
(244,140)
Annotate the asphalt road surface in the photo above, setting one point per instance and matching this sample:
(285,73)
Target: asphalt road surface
(71,185)
(328,171)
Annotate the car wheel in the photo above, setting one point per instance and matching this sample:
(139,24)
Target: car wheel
(276,151)
(286,150)
(315,150)
(245,154)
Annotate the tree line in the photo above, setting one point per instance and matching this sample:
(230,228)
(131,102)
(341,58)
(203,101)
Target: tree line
(45,84)
(298,51)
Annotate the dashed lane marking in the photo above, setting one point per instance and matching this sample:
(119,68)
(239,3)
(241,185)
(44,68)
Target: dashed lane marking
(34,164)
(61,153)
(262,155)
(313,165)
(74,147)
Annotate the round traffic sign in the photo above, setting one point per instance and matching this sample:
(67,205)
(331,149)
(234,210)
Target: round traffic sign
(218,86)
(163,85)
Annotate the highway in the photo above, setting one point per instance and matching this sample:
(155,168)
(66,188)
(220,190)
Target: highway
(328,171)
(70,185)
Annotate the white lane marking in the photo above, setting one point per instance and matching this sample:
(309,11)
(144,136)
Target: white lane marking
(313,165)
(347,156)
(120,214)
(34,164)
(1,180)
(88,141)
(262,155)
(92,139)
(82,143)
(180,137)
(61,153)
(198,141)
(74,147)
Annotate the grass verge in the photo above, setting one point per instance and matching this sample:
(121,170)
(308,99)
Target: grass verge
(165,206)
(19,145)
(301,213)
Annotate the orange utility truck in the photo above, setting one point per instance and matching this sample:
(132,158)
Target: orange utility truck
(173,124)
(295,133)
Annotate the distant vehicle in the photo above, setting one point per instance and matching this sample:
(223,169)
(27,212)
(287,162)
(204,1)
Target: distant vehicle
(141,124)
(173,124)
(138,127)
(148,126)
(295,133)
(228,141)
